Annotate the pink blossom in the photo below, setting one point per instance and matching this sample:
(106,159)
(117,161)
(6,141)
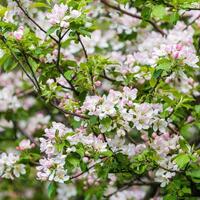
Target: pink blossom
(25,144)
(19,33)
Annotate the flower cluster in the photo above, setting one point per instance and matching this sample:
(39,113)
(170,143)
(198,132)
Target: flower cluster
(11,88)
(9,166)
(59,15)
(65,192)
(52,166)
(164,145)
(124,112)
(8,100)
(118,144)
(52,169)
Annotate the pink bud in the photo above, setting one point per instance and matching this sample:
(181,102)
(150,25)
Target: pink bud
(154,135)
(144,137)
(179,47)
(130,103)
(19,33)
(18,148)
(166,136)
(176,55)
(190,119)
(85,159)
(78,112)
(90,180)
(98,83)
(191,81)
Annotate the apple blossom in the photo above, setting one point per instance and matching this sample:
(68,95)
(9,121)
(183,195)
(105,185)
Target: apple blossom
(100,98)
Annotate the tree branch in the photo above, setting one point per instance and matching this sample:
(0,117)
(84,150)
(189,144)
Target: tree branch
(59,68)
(130,184)
(33,21)
(18,61)
(83,47)
(116,7)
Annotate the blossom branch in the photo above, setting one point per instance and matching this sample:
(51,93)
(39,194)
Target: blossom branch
(17,60)
(33,21)
(130,184)
(31,69)
(59,68)
(24,70)
(133,15)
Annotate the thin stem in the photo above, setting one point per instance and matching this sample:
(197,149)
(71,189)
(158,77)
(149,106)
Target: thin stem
(68,113)
(130,184)
(65,87)
(80,174)
(31,69)
(173,130)
(192,22)
(18,61)
(86,56)
(21,65)
(59,68)
(83,47)
(130,138)
(33,21)
(65,34)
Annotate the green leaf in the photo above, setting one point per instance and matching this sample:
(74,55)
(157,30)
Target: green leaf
(184,145)
(69,74)
(197,109)
(195,175)
(93,120)
(70,63)
(159,11)
(182,160)
(51,30)
(51,190)
(157,73)
(80,150)
(7,62)
(74,159)
(146,13)
(164,64)
(174,17)
(106,122)
(107,153)
(152,82)
(33,64)
(2,10)
(39,5)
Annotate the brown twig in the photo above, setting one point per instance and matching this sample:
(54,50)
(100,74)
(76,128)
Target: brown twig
(130,184)
(116,7)
(18,61)
(68,113)
(57,62)
(83,47)
(33,21)
(193,21)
